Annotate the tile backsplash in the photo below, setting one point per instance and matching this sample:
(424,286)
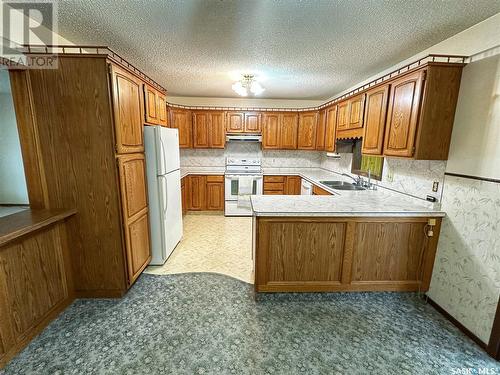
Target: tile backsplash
(414,177)
(281,158)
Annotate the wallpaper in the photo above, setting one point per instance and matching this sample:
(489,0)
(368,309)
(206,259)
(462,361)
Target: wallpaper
(466,277)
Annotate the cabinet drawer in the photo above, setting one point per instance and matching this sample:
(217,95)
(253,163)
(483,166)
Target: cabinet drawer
(274,179)
(215,178)
(274,186)
(273,192)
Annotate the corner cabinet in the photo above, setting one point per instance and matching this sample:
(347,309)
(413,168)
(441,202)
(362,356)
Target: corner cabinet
(134,213)
(128,111)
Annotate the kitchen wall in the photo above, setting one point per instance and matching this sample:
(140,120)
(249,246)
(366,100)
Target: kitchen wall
(12,180)
(270,159)
(466,278)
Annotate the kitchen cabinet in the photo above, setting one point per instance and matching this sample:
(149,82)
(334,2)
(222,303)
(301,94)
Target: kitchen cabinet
(320,254)
(155,106)
(271,131)
(375,117)
(134,213)
(421,112)
(128,109)
(306,133)
(320,191)
(197,193)
(102,172)
(356,111)
(215,193)
(181,119)
(282,185)
(331,128)
(343,115)
(184,194)
(244,122)
(161,100)
(293,185)
(288,131)
(321,130)
(235,122)
(208,129)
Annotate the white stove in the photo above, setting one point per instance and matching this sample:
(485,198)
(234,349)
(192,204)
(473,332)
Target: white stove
(235,169)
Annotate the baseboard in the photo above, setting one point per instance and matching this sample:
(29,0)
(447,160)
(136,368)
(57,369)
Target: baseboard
(457,324)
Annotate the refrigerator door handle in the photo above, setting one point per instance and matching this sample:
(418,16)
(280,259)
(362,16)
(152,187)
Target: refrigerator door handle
(165,205)
(163,159)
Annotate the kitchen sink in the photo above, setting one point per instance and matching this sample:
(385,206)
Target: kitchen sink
(342,185)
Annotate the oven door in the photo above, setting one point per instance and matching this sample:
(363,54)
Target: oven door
(232,185)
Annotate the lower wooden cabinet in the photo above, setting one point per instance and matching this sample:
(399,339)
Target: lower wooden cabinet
(320,191)
(204,193)
(282,185)
(135,213)
(184,194)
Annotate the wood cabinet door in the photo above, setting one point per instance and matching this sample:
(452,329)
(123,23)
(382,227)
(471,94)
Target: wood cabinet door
(356,111)
(201,122)
(197,193)
(215,194)
(162,109)
(252,122)
(135,213)
(128,108)
(151,105)
(320,130)
(288,131)
(306,138)
(216,134)
(331,128)
(374,123)
(235,122)
(343,115)
(181,119)
(184,195)
(402,115)
(320,191)
(271,131)
(293,185)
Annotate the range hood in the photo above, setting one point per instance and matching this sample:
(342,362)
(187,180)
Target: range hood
(244,138)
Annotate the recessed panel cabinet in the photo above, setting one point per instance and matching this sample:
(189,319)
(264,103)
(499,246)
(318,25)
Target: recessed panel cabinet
(181,119)
(374,123)
(280,131)
(331,128)
(271,131)
(204,192)
(288,131)
(321,130)
(244,122)
(155,106)
(128,111)
(306,136)
(208,130)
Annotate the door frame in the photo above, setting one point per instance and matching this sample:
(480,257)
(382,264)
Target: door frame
(493,347)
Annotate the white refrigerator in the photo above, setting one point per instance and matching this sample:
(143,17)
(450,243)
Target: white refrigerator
(164,190)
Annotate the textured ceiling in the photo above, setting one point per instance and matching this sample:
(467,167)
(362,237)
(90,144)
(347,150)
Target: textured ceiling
(298,49)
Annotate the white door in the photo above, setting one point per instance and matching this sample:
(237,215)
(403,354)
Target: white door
(168,149)
(171,211)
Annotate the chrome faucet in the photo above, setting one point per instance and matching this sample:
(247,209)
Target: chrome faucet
(357,181)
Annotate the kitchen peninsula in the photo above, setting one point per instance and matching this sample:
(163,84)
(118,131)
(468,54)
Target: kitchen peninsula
(371,240)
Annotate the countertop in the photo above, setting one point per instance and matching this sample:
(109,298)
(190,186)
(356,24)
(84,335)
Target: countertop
(380,202)
(29,220)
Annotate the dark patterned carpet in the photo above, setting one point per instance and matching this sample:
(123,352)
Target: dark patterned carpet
(211,324)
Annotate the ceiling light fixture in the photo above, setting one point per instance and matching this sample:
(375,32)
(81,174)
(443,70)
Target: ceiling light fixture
(247,85)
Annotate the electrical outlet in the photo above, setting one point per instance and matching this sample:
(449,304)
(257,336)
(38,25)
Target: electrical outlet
(435,186)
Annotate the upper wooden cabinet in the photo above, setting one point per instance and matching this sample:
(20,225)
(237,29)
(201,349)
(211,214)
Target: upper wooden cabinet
(181,119)
(343,116)
(375,116)
(306,139)
(244,122)
(271,131)
(321,130)
(288,131)
(155,105)
(356,110)
(331,127)
(208,129)
(235,122)
(402,116)
(128,107)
